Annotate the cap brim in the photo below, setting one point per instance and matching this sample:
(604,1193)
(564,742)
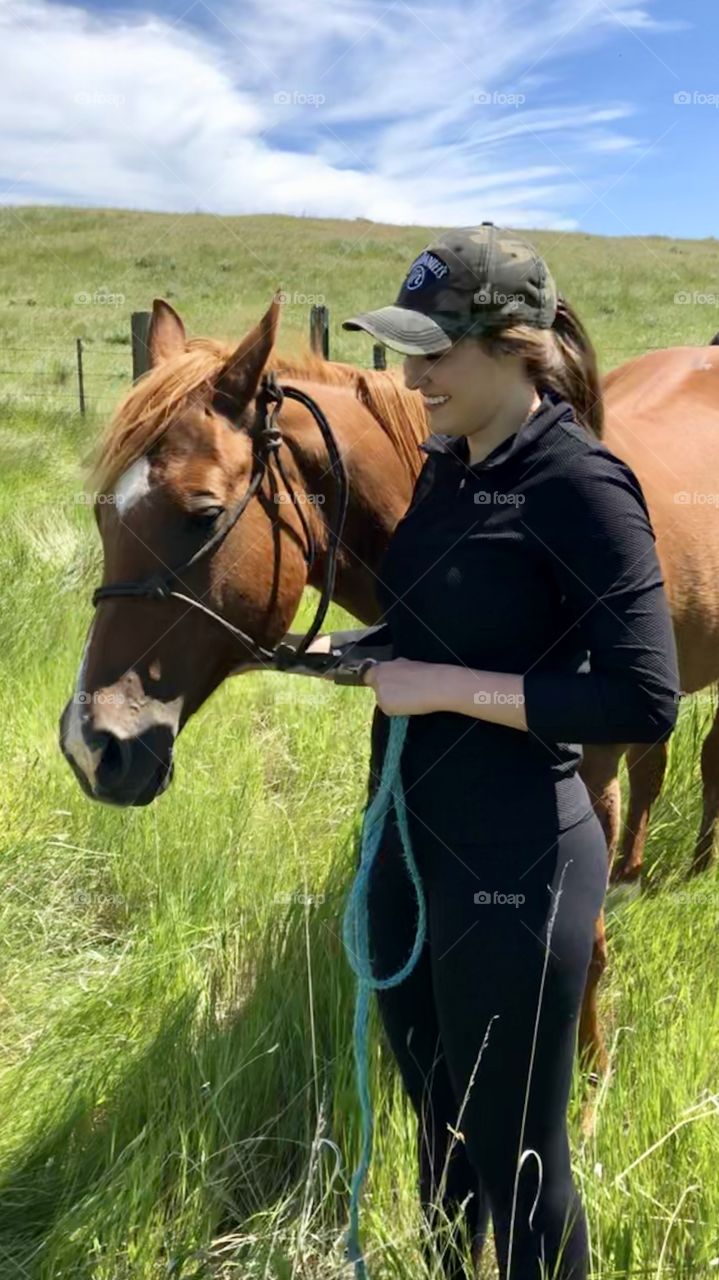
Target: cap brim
(409,332)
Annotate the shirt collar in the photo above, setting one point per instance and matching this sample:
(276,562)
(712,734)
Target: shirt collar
(552,409)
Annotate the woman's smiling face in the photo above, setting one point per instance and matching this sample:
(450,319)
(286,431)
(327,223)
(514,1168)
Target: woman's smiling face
(465,389)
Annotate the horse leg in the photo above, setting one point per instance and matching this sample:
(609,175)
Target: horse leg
(593,1055)
(704,851)
(646,767)
(599,772)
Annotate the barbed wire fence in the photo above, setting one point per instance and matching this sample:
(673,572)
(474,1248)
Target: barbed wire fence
(84,373)
(76,373)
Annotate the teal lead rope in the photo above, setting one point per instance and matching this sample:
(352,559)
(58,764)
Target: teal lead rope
(355,934)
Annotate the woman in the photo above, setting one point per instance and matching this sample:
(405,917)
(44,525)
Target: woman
(524,605)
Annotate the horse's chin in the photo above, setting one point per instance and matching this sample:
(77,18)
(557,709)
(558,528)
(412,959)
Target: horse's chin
(156,784)
(154,788)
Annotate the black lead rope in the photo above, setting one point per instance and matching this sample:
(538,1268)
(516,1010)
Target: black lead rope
(266,439)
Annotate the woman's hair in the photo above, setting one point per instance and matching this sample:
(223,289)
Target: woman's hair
(562,358)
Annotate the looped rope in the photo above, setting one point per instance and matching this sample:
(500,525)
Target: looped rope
(355,935)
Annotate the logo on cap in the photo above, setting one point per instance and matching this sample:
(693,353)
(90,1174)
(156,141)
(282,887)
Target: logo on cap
(417,274)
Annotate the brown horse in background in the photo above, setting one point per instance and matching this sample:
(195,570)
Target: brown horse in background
(178,441)
(662,418)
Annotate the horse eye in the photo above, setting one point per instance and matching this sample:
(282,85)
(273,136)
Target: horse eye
(206,516)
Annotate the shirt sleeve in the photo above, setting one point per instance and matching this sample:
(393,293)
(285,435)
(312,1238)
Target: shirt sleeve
(600,548)
(369,638)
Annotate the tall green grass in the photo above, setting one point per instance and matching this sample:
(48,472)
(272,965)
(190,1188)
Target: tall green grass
(176,1079)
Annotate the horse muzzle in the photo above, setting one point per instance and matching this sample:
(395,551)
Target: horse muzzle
(113,766)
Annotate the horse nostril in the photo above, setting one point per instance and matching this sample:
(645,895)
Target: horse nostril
(115,759)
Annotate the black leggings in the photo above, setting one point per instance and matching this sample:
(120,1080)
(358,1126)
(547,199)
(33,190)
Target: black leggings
(480,976)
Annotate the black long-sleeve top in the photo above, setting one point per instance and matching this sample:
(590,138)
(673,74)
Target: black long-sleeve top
(539,560)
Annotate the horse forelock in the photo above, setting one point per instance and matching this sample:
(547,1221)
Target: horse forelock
(148,410)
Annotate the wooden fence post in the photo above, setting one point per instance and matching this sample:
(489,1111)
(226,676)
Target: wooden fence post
(139,327)
(320,331)
(80,378)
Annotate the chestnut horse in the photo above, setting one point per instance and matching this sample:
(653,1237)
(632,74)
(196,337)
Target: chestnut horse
(662,417)
(176,457)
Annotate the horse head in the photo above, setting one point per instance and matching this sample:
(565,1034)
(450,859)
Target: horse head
(177,456)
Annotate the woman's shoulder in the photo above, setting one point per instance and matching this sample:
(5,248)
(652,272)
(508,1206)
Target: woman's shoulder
(574,454)
(579,470)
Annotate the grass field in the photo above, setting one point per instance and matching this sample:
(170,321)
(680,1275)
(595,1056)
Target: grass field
(176,1083)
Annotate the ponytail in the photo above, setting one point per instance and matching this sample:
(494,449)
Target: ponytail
(576,376)
(561,358)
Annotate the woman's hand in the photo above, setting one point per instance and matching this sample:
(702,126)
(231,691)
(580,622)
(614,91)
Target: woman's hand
(405,688)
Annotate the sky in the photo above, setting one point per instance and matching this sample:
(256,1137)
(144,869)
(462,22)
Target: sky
(563,114)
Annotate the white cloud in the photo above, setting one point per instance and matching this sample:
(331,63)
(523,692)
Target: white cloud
(614,142)
(149,113)
(639,19)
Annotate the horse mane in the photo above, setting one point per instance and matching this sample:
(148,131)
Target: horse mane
(146,413)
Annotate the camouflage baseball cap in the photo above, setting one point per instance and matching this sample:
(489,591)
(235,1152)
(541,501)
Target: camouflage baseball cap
(468,280)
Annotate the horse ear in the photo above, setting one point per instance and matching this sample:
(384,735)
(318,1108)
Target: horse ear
(166,335)
(237,381)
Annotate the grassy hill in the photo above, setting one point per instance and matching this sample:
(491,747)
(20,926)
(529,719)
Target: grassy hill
(176,1077)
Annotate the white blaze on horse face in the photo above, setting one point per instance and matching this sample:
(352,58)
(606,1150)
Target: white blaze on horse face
(75,745)
(132,486)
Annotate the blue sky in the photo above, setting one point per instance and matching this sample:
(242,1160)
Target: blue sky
(532,113)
